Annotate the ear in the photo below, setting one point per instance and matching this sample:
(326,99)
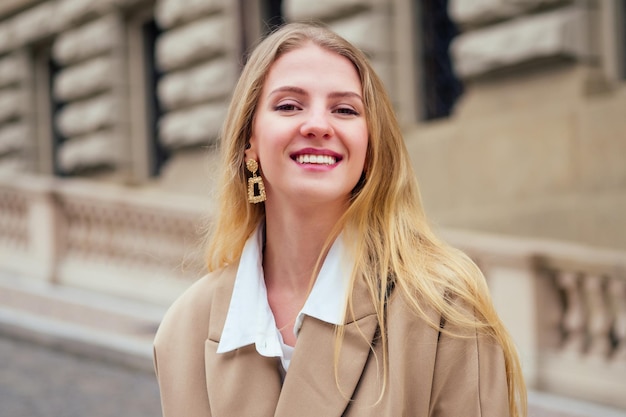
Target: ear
(250,152)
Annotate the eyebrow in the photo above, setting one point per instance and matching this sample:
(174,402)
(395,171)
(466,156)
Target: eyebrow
(300,91)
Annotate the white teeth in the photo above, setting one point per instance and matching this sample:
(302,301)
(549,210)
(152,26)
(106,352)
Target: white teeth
(316,159)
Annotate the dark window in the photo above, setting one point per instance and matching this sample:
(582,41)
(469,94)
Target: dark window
(158,155)
(272,15)
(55,109)
(441,87)
(258,18)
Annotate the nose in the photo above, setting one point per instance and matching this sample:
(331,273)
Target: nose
(317,125)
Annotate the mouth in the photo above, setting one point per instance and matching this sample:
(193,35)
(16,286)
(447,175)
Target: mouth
(315,159)
(312,156)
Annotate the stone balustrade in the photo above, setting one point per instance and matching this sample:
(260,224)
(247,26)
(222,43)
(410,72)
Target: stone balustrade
(565,306)
(105,238)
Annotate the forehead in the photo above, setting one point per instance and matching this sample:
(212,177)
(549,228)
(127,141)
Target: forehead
(313,66)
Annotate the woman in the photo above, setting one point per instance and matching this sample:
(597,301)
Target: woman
(328,294)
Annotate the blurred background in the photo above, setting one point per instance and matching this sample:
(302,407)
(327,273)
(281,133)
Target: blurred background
(514,113)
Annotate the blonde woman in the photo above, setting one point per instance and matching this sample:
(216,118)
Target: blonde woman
(328,294)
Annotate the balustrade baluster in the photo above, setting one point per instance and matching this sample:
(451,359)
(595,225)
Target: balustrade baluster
(617,298)
(598,316)
(573,321)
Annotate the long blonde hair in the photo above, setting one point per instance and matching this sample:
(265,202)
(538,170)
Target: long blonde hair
(385,223)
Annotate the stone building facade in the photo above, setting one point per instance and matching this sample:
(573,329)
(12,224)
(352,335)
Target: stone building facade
(131,91)
(110,110)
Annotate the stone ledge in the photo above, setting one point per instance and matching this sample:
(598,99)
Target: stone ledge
(170,13)
(92,150)
(552,34)
(195,126)
(85,79)
(52,17)
(368,31)
(86,41)
(13,137)
(11,166)
(13,69)
(12,103)
(35,23)
(480,12)
(323,9)
(210,80)
(202,39)
(72,12)
(86,116)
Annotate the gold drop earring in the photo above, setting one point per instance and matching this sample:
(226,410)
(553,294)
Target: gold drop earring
(255,183)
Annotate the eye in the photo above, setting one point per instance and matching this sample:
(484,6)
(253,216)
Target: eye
(347,111)
(286,107)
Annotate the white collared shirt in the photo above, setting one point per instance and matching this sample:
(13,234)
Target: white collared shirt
(250,320)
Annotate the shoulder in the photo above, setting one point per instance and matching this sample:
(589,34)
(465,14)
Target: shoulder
(198,307)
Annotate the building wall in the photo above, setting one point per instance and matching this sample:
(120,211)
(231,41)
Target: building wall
(534,146)
(537,145)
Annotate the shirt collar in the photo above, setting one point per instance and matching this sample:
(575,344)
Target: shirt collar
(250,320)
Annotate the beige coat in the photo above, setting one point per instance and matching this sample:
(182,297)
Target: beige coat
(430,374)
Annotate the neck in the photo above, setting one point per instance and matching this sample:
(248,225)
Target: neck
(295,239)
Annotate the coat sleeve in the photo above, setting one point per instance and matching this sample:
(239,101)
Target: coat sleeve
(469,378)
(179,358)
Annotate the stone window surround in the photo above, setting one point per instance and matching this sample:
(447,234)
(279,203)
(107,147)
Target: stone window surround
(140,139)
(595,33)
(611,30)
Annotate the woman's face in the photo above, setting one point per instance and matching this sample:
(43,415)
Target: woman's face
(309,132)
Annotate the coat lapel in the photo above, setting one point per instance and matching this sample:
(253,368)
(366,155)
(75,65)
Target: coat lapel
(312,388)
(242,382)
(248,384)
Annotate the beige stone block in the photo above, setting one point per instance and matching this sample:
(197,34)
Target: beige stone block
(480,11)
(601,142)
(170,13)
(35,23)
(192,171)
(86,116)
(85,79)
(594,219)
(194,126)
(542,88)
(10,6)
(199,40)
(507,158)
(476,12)
(370,31)
(92,150)
(7,36)
(207,81)
(89,40)
(383,67)
(430,146)
(296,10)
(13,69)
(12,165)
(71,12)
(13,137)
(552,34)
(12,103)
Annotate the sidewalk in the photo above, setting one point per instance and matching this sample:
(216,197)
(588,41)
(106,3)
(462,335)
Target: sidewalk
(78,321)
(107,328)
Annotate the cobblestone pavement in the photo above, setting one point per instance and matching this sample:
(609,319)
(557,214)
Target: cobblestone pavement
(36,381)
